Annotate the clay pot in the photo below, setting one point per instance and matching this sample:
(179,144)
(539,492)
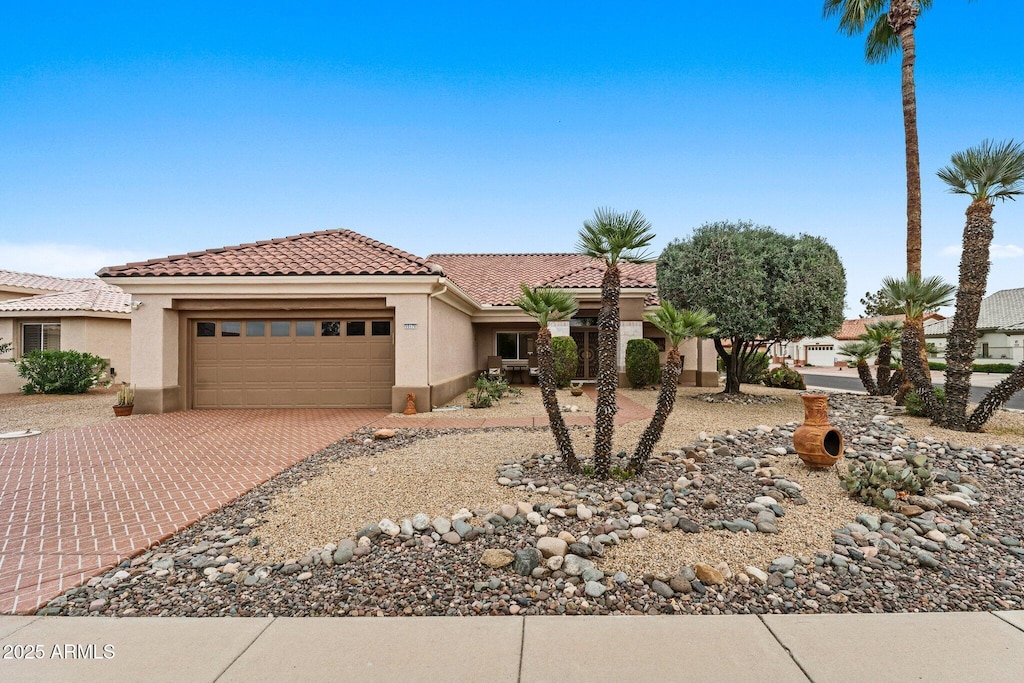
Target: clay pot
(123,411)
(819,444)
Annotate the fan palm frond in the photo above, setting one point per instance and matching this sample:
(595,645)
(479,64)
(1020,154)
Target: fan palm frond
(989,171)
(613,237)
(679,324)
(916,294)
(545,304)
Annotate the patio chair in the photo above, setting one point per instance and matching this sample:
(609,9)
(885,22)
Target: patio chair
(494,367)
(534,365)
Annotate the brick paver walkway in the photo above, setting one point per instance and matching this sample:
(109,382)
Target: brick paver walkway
(76,503)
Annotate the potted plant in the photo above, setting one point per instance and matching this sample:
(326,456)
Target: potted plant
(576,388)
(125,400)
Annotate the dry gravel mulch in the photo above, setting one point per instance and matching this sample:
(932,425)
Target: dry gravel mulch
(51,412)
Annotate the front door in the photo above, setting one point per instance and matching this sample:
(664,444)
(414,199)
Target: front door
(586,347)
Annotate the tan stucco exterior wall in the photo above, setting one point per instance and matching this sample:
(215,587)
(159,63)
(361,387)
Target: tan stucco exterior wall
(155,355)
(452,352)
(9,380)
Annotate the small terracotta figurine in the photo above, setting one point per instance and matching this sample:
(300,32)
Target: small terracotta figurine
(410,404)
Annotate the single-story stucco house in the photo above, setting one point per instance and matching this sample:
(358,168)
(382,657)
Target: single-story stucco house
(1000,329)
(336,319)
(39,312)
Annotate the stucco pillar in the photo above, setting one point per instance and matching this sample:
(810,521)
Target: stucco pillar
(559,328)
(155,355)
(412,350)
(628,329)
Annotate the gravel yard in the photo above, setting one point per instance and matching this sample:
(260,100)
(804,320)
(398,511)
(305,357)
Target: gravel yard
(653,544)
(527,405)
(51,412)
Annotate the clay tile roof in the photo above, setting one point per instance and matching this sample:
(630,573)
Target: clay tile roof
(853,329)
(102,299)
(46,283)
(326,252)
(493,279)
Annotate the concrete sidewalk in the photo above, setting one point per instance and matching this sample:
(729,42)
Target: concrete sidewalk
(979,646)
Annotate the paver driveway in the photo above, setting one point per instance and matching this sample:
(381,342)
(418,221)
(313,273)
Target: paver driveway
(76,503)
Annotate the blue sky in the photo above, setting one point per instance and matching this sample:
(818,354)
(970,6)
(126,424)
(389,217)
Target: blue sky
(135,132)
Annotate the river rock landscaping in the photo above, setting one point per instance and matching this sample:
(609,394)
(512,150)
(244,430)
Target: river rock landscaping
(727,524)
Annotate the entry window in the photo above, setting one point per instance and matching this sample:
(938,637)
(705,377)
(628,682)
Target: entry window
(330,328)
(206,329)
(380,328)
(355,328)
(515,345)
(280,328)
(256,328)
(305,328)
(40,337)
(231,329)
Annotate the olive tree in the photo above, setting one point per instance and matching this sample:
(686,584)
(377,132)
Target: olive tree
(762,287)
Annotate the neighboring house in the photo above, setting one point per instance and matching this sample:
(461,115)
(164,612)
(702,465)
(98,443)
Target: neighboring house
(1000,329)
(336,319)
(824,351)
(40,312)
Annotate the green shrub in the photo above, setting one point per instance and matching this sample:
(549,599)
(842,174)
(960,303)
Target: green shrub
(915,406)
(935,365)
(994,367)
(784,377)
(4,346)
(60,372)
(566,359)
(879,483)
(755,368)
(643,364)
(487,391)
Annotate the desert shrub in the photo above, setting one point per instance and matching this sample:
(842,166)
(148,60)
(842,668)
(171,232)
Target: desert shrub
(489,390)
(879,483)
(643,364)
(915,406)
(566,359)
(755,368)
(784,377)
(60,372)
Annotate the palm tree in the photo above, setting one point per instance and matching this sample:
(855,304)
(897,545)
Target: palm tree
(613,238)
(860,352)
(892,24)
(917,295)
(544,305)
(886,335)
(984,173)
(678,325)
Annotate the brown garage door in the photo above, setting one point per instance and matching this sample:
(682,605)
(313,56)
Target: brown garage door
(270,363)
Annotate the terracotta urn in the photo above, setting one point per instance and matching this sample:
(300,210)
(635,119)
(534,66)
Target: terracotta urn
(819,444)
(410,404)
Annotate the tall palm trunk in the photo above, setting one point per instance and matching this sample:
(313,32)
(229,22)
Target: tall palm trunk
(666,401)
(994,399)
(963,334)
(903,19)
(864,372)
(607,371)
(884,369)
(546,379)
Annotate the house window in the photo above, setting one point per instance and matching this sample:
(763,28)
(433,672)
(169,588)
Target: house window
(515,345)
(255,328)
(40,337)
(330,328)
(280,328)
(206,329)
(231,329)
(305,328)
(380,328)
(355,328)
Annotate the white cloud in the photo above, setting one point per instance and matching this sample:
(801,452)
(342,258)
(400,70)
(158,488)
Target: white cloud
(996,251)
(63,260)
